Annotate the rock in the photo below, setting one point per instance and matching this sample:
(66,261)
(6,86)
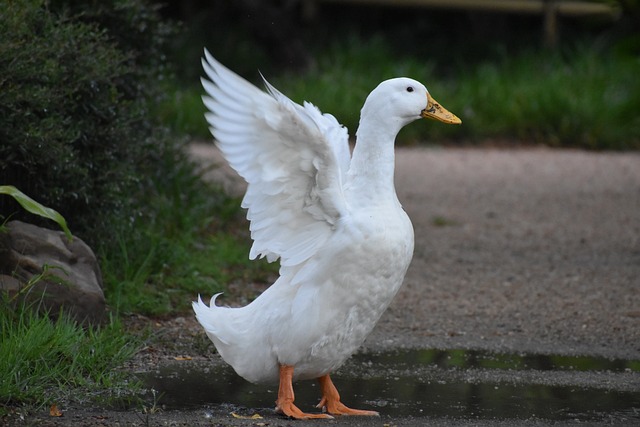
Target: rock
(71,277)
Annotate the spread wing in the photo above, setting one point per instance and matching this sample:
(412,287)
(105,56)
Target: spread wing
(293,157)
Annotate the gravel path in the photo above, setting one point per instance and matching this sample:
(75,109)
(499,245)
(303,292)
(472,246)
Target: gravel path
(528,250)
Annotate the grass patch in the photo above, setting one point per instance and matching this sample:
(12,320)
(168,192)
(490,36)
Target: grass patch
(195,242)
(585,99)
(579,98)
(183,111)
(43,361)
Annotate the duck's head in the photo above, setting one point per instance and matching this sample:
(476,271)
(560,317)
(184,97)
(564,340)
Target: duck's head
(405,100)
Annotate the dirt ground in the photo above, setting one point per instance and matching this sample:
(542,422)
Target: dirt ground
(526,250)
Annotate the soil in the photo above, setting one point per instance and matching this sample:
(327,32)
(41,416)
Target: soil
(527,250)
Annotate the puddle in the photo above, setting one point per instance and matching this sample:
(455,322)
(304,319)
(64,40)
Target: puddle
(458,384)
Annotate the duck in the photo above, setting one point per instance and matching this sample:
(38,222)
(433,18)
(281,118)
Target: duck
(332,219)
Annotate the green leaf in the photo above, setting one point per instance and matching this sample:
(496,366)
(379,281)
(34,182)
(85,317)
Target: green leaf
(36,208)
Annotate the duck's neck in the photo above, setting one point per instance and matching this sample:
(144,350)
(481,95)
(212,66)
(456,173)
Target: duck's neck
(373,161)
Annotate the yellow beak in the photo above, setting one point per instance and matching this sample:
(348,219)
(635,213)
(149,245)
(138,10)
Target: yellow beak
(436,112)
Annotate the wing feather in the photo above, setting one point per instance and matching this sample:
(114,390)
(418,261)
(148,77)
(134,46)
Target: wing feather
(293,157)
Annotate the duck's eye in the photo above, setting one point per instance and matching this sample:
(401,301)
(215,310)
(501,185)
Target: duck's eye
(410,89)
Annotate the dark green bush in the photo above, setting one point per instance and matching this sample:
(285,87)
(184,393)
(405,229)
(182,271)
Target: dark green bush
(76,82)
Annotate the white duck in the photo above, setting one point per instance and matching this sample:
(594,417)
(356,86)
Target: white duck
(333,219)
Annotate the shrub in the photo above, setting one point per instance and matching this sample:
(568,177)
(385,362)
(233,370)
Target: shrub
(76,82)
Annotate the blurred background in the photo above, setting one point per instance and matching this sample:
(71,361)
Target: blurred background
(516,70)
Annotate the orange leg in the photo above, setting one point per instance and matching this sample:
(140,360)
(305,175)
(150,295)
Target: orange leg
(284,404)
(331,400)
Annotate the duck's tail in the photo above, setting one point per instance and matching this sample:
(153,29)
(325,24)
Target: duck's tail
(211,318)
(235,337)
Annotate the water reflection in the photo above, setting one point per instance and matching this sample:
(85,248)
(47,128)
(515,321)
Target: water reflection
(419,382)
(482,359)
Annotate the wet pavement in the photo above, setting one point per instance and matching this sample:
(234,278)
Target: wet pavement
(430,386)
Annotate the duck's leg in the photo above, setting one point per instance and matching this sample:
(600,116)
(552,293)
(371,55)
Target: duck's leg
(284,404)
(331,400)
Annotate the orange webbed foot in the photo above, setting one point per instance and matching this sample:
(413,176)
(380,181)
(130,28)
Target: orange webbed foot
(331,400)
(338,408)
(284,404)
(291,410)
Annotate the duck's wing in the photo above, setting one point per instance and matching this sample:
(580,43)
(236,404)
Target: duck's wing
(293,157)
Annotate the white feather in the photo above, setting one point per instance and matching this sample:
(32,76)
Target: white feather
(292,157)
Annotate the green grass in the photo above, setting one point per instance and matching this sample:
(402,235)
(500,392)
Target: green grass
(580,98)
(161,276)
(183,111)
(586,100)
(44,361)
(195,242)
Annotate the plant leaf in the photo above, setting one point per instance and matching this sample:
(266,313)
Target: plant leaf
(36,208)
